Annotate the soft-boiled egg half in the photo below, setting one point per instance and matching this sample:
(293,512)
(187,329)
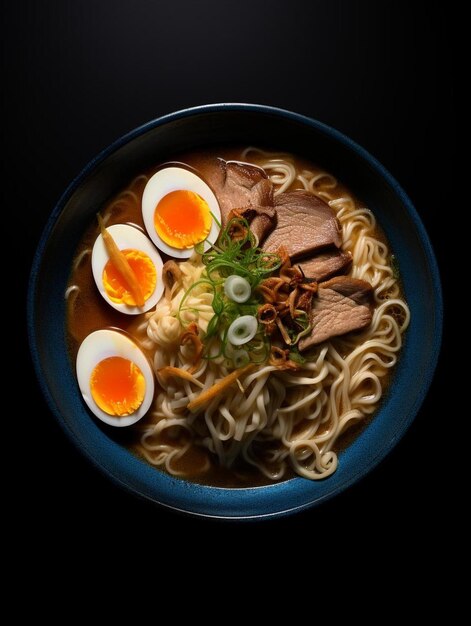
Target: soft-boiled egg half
(180,211)
(115,377)
(146,265)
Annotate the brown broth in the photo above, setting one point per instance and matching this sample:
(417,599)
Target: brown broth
(88,312)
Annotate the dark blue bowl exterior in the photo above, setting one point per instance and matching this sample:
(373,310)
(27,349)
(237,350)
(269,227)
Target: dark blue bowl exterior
(252,125)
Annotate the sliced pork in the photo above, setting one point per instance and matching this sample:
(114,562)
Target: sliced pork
(326,264)
(239,186)
(342,305)
(305,224)
(263,222)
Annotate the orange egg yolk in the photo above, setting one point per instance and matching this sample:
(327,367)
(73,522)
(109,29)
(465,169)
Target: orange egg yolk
(118,386)
(182,219)
(144,270)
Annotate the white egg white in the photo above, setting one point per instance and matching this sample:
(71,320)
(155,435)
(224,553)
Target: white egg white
(164,182)
(126,236)
(101,345)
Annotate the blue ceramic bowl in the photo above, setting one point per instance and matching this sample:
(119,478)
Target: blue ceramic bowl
(242,124)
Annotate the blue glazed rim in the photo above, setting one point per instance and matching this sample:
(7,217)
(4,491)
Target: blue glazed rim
(257,502)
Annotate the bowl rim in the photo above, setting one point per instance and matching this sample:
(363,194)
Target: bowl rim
(378,169)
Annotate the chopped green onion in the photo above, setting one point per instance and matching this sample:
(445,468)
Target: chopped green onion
(237,288)
(218,304)
(301,334)
(296,357)
(235,267)
(239,256)
(242,330)
(212,326)
(215,219)
(240,358)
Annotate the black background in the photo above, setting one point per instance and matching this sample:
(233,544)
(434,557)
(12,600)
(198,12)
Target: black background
(77,75)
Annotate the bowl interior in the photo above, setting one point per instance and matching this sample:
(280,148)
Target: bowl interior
(203,127)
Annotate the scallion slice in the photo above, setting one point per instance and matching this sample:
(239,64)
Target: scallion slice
(237,288)
(242,330)
(240,358)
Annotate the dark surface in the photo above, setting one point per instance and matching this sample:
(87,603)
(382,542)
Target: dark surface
(78,75)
